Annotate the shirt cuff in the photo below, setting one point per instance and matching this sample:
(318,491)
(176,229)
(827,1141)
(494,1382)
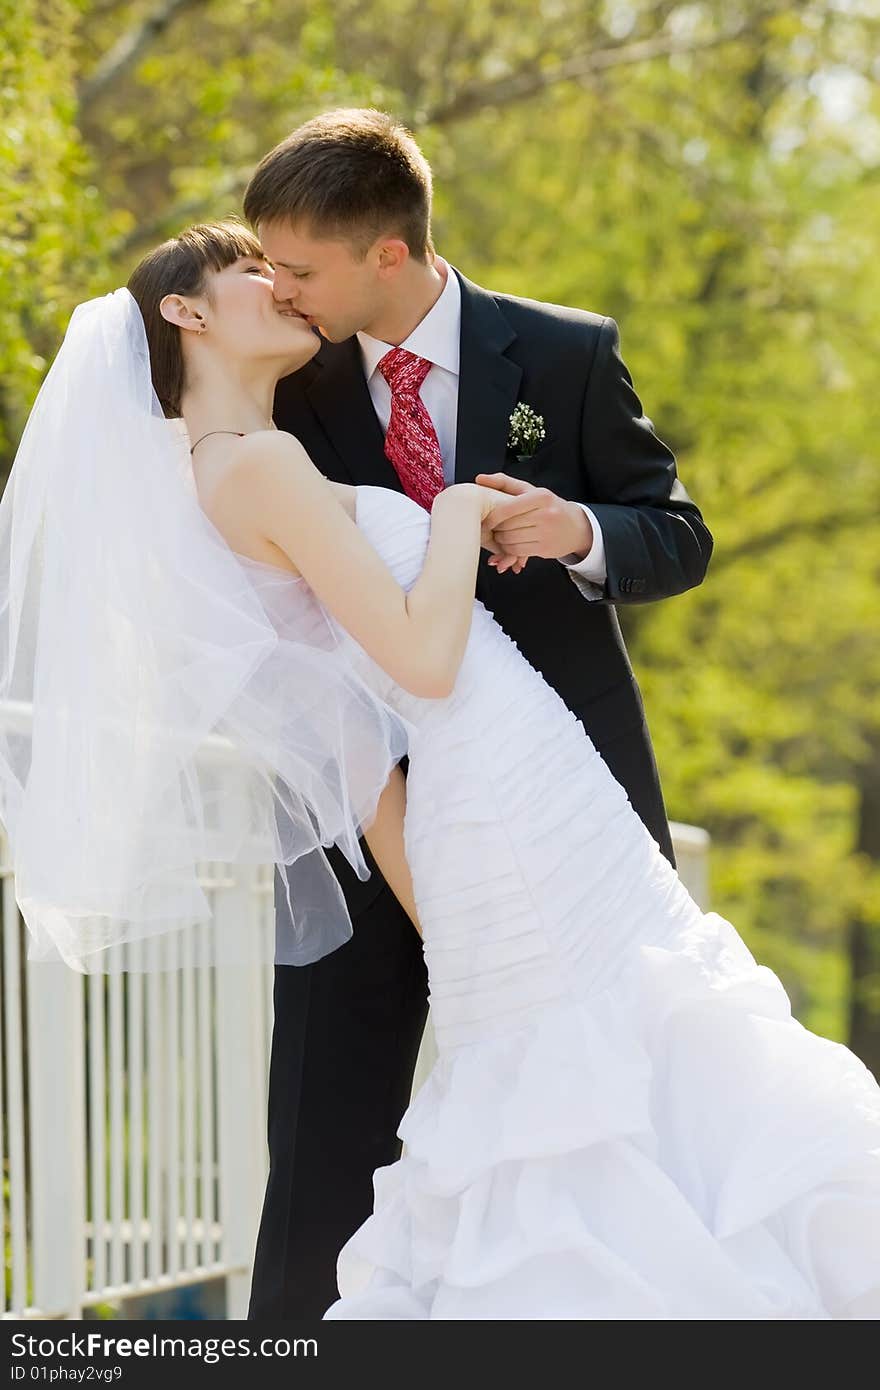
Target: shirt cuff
(592,567)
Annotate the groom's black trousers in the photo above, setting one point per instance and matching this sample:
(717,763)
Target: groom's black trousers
(344,1047)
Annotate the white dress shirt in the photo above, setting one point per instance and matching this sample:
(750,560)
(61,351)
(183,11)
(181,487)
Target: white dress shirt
(437,338)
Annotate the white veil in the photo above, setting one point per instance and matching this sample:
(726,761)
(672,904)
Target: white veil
(162,704)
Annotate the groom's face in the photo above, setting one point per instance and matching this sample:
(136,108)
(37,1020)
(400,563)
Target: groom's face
(324,280)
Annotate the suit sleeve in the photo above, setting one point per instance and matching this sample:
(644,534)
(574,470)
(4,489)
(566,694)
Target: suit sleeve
(656,542)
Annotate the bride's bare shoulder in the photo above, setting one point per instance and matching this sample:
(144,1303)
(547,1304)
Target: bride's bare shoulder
(278,447)
(233,503)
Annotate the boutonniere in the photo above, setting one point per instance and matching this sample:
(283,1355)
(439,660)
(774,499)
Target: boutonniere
(526,431)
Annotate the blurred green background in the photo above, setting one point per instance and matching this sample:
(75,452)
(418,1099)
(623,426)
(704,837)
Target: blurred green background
(708,174)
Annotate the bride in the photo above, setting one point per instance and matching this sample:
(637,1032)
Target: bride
(624,1121)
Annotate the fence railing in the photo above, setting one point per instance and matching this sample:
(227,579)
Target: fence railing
(132,1122)
(133,1115)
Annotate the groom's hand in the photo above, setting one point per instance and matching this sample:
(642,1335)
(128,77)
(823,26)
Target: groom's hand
(532,520)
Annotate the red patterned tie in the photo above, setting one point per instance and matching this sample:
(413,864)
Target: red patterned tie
(411,441)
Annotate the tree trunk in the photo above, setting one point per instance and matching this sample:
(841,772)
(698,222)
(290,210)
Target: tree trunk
(864,935)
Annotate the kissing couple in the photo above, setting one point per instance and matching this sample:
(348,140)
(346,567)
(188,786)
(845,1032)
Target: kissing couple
(387,574)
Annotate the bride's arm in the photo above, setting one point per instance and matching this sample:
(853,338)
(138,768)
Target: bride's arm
(385,838)
(419,637)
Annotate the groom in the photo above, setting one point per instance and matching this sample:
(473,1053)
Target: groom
(587,493)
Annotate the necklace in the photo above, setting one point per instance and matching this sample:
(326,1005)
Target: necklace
(238,433)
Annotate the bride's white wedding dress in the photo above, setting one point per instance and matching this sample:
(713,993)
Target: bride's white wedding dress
(624,1120)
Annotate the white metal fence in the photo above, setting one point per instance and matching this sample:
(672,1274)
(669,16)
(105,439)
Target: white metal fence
(133,1116)
(132,1122)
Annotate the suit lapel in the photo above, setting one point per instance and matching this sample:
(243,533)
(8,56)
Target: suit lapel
(488,384)
(340,398)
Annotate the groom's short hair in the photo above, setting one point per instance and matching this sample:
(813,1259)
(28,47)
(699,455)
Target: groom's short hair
(351,174)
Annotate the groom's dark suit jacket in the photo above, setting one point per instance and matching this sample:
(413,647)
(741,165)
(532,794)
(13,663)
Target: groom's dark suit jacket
(347,1029)
(599,448)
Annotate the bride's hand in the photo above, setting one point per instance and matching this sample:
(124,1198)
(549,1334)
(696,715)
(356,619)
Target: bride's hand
(488,500)
(500,561)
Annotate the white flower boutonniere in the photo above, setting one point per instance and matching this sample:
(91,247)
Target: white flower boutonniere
(526,431)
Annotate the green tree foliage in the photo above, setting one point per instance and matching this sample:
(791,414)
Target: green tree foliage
(51,226)
(707,173)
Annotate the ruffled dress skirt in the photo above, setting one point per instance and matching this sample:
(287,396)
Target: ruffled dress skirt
(624,1120)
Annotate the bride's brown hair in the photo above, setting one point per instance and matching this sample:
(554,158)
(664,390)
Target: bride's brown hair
(181,266)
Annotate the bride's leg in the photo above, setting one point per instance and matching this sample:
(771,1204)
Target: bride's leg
(385,838)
